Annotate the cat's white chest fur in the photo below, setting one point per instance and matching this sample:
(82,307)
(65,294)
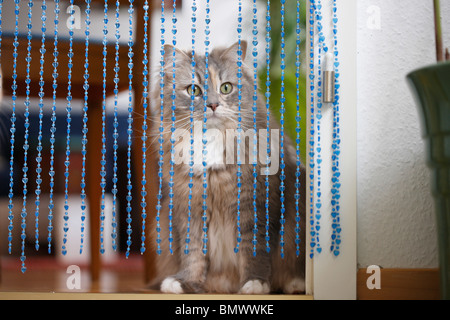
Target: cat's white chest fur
(206,151)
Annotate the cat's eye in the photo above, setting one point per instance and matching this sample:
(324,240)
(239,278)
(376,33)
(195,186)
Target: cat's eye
(194,91)
(226,88)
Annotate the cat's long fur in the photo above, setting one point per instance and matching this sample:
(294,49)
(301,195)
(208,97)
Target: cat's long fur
(222,270)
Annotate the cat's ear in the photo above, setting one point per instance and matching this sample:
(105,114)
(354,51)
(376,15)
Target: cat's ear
(231,53)
(179,54)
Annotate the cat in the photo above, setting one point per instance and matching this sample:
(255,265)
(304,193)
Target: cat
(221,269)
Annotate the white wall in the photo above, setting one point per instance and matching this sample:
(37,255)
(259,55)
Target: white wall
(396,227)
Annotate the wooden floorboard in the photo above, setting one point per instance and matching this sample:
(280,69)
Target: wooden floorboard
(401,284)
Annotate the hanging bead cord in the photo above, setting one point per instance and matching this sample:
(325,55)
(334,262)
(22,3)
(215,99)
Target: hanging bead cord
(335,189)
(26,145)
(116,126)
(85,127)
(1,29)
(172,129)
(239,128)
(68,130)
(53,129)
(103,150)
(1,37)
(255,133)
(298,130)
(145,84)
(268,83)
(204,131)
(13,127)
(161,130)
(282,112)
(313,233)
(322,49)
(1,32)
(130,125)
(336,185)
(41,115)
(191,128)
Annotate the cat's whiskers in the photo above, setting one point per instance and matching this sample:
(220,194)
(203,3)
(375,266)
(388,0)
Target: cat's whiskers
(246,121)
(181,124)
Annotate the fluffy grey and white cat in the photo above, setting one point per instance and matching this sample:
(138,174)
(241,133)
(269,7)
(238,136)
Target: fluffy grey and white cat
(221,270)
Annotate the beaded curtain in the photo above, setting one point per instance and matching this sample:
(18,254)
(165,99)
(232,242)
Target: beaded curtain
(318,71)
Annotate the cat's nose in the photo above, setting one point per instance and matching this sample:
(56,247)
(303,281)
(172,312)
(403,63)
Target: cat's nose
(213,106)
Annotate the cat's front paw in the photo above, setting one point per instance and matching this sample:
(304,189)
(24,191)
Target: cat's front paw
(178,286)
(255,287)
(171,285)
(295,286)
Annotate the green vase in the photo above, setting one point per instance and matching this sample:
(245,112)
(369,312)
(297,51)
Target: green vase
(431,87)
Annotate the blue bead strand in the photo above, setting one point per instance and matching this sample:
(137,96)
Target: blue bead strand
(336,185)
(85,127)
(239,129)
(313,233)
(26,145)
(69,121)
(1,31)
(116,126)
(161,130)
(191,128)
(103,150)
(129,197)
(267,94)
(53,129)
(282,132)
(322,49)
(298,130)
(13,126)
(173,127)
(145,84)
(1,35)
(41,115)
(204,132)
(255,133)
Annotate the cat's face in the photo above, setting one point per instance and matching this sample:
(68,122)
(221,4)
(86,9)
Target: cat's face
(217,92)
